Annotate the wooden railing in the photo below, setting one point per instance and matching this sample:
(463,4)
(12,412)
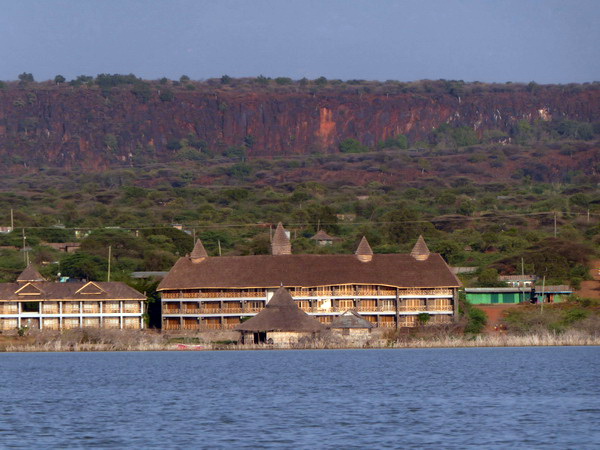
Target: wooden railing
(246,310)
(343,291)
(215,294)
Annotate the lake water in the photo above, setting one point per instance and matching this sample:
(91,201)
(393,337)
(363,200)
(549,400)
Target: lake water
(414,398)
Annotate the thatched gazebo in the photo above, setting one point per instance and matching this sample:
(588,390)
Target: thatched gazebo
(280,322)
(351,323)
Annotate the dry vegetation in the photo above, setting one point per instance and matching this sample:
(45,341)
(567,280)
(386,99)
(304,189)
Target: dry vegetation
(448,336)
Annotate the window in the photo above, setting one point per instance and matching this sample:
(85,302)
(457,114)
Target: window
(30,307)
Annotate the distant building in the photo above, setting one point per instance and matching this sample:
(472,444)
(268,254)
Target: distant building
(149,274)
(389,290)
(322,238)
(518,280)
(34,302)
(524,294)
(66,247)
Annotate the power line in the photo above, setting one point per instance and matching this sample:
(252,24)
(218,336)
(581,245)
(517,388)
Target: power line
(439,219)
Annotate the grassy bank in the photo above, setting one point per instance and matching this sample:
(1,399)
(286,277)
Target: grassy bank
(95,340)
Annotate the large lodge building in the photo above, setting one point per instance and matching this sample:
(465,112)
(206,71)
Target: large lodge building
(33,302)
(202,292)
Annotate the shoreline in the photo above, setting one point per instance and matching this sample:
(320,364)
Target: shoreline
(157,342)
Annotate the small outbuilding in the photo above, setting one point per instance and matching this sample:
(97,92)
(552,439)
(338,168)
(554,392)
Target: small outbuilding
(323,238)
(280,322)
(351,323)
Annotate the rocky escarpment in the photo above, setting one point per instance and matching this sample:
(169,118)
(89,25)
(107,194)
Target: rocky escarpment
(43,125)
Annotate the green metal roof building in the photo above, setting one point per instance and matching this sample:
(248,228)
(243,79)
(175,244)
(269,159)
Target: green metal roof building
(503,295)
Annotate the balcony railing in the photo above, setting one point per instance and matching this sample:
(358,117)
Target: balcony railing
(344,291)
(247,310)
(215,294)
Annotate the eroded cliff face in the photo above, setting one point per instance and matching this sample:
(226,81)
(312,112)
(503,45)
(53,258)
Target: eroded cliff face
(79,127)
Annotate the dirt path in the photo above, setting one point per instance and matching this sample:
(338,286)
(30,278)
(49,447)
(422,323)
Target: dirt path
(495,313)
(591,288)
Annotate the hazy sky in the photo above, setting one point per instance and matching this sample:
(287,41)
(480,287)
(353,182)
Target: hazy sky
(547,41)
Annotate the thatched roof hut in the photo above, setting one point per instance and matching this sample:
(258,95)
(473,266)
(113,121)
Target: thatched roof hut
(350,319)
(281,314)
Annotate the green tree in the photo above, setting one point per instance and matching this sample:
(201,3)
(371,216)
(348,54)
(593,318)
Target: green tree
(142,91)
(352,146)
(166,95)
(321,81)
(489,278)
(59,79)
(83,265)
(25,78)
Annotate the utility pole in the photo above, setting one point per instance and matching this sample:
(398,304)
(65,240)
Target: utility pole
(522,281)
(109,258)
(543,288)
(588,215)
(12,219)
(554,223)
(219,244)
(25,253)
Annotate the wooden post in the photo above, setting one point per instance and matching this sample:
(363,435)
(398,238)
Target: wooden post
(397,308)
(543,288)
(455,303)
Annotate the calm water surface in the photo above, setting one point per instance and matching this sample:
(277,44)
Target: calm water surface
(421,398)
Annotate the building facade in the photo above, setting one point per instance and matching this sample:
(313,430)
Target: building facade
(33,302)
(389,290)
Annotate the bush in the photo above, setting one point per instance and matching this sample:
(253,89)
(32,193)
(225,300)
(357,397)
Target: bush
(476,321)
(166,95)
(352,146)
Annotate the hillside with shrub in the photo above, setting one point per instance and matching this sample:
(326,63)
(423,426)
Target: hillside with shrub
(499,177)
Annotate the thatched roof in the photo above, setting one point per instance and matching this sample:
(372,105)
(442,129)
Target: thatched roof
(281,314)
(199,251)
(280,244)
(420,251)
(363,249)
(30,274)
(51,291)
(321,235)
(267,271)
(350,319)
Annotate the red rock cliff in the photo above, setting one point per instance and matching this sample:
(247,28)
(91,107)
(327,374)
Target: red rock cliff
(80,127)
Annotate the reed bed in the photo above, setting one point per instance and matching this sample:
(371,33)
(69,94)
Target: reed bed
(90,341)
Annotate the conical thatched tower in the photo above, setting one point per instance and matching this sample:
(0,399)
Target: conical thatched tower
(280,244)
(364,253)
(199,253)
(30,274)
(420,251)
